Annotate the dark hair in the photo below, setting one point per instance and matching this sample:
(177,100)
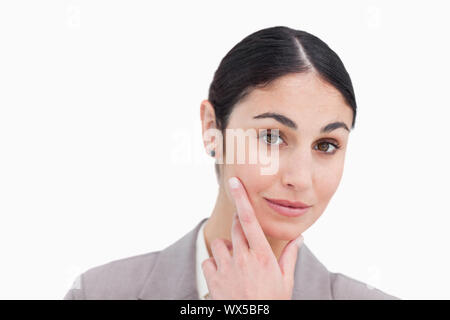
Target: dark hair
(266,55)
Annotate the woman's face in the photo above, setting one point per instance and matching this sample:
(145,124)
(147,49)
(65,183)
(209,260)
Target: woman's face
(309,166)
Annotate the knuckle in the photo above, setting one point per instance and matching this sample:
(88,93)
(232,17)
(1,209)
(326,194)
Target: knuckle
(241,260)
(262,259)
(224,266)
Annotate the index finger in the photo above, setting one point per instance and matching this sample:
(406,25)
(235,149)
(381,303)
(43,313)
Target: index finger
(252,229)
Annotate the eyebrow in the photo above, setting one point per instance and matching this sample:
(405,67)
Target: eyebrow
(291,124)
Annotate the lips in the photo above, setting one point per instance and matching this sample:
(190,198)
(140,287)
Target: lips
(287,203)
(287,208)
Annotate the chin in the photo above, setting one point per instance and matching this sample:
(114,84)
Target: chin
(280,229)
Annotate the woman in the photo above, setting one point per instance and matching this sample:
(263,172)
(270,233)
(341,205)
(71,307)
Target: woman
(288,96)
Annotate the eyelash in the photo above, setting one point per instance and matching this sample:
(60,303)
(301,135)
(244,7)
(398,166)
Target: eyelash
(335,144)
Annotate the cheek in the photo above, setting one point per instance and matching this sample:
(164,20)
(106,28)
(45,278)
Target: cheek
(327,181)
(257,186)
(325,185)
(254,182)
(250,173)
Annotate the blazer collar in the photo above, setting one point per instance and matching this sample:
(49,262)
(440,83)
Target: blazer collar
(173,276)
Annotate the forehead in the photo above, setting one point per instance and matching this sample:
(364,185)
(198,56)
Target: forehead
(304,97)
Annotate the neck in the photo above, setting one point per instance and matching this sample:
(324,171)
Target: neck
(220,221)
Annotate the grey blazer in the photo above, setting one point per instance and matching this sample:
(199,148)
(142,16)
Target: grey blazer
(170,274)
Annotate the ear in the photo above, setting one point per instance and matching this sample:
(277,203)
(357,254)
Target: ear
(211,135)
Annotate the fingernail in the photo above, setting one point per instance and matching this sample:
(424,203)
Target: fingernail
(233,182)
(299,240)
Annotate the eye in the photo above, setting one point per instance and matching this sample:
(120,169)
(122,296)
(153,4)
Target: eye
(271,138)
(336,146)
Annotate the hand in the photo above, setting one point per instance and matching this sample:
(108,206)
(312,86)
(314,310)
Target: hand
(246,268)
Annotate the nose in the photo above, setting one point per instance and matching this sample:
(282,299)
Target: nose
(297,170)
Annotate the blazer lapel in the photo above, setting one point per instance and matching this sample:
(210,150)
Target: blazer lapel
(312,279)
(173,276)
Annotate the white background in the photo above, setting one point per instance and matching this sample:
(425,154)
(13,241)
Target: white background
(99,102)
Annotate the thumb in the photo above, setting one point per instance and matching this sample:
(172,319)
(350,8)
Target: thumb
(288,257)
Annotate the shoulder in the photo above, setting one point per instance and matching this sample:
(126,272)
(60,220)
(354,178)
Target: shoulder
(346,288)
(118,279)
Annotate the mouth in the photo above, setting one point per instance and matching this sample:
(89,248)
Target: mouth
(287,208)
